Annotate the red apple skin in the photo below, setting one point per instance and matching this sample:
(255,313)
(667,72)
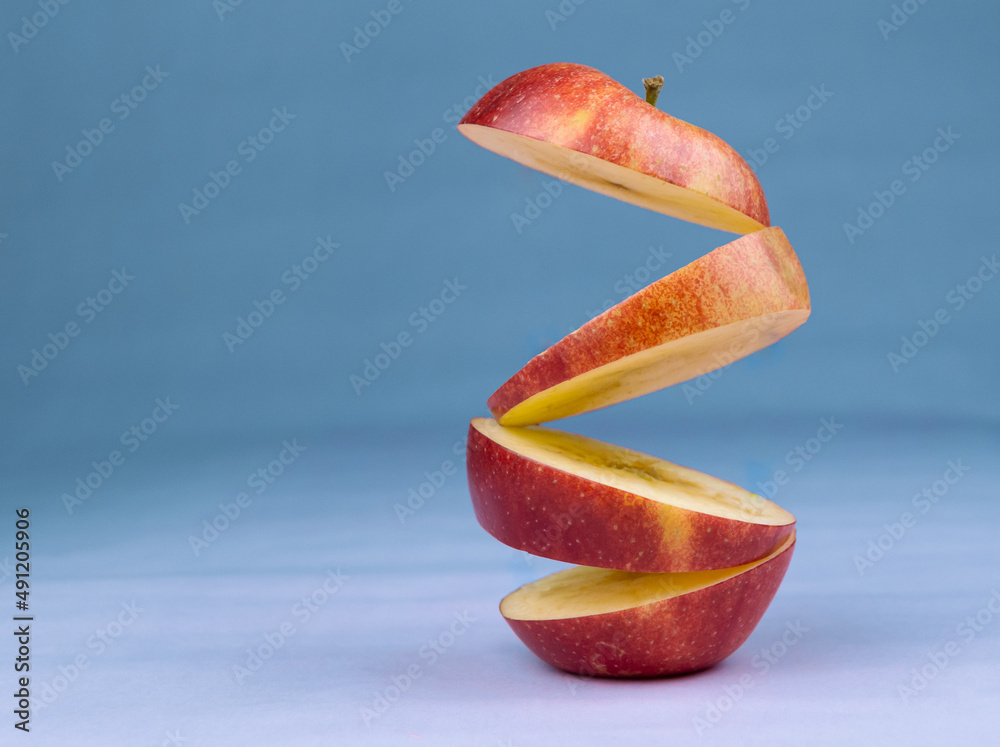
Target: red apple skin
(756,274)
(583,109)
(554,514)
(680,635)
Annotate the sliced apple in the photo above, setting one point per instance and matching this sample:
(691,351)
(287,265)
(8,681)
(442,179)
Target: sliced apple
(579,125)
(618,624)
(724,306)
(579,500)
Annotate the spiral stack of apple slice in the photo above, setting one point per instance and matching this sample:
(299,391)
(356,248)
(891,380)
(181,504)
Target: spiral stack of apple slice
(676,567)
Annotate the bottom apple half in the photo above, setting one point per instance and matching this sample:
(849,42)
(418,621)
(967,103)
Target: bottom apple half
(602,622)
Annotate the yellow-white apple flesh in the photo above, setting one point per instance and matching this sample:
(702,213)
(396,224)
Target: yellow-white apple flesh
(579,125)
(731,302)
(611,623)
(579,500)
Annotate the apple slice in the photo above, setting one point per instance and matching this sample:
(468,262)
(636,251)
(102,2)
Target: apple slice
(575,123)
(724,306)
(618,624)
(575,499)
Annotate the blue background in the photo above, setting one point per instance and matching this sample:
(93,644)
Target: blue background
(356,114)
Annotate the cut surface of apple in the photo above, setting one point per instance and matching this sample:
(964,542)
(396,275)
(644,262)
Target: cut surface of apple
(614,623)
(731,302)
(579,500)
(583,591)
(579,125)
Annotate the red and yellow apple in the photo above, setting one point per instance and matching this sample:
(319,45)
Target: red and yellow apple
(676,567)
(725,305)
(579,125)
(579,500)
(612,623)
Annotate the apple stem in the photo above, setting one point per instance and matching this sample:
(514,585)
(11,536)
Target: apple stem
(653,86)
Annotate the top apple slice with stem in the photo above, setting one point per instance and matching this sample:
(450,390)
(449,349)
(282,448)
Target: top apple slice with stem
(577,124)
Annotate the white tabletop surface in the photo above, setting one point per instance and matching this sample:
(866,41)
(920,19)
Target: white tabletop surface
(177,628)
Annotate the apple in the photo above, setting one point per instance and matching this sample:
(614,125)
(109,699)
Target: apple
(579,125)
(612,623)
(676,567)
(578,500)
(724,306)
